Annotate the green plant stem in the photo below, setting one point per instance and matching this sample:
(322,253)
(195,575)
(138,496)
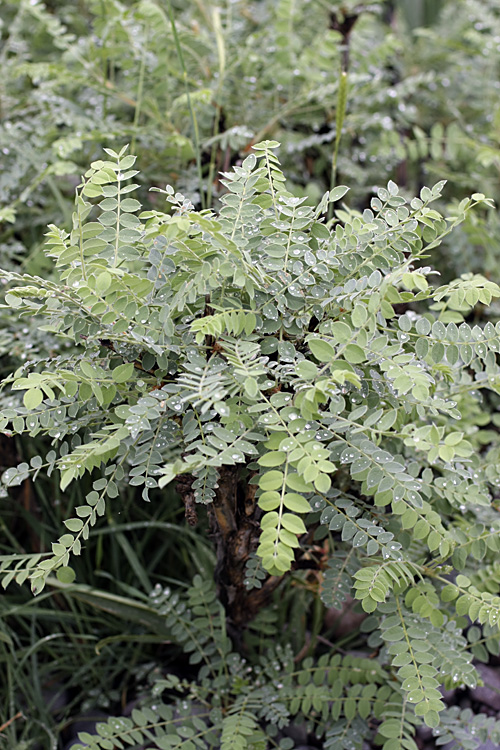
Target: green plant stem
(194,122)
(140,90)
(218,109)
(339,123)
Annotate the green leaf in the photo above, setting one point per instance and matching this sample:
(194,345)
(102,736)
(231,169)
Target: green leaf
(130,204)
(74,524)
(322,350)
(293,523)
(296,503)
(67,477)
(431,719)
(322,483)
(91,190)
(88,370)
(396,633)
(449,593)
(359,316)
(66,574)
(437,352)
(337,193)
(454,438)
(423,326)
(269,500)
(341,332)
(33,398)
(306,370)
(123,373)
(354,354)
(103,282)
(271,480)
(251,387)
(12,300)
(296,482)
(274,458)
(422,347)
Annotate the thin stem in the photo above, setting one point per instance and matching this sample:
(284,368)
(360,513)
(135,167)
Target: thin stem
(339,120)
(192,114)
(140,89)
(221,53)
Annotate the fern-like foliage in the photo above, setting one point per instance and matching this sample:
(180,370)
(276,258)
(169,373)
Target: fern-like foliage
(334,697)
(338,578)
(198,624)
(290,372)
(465,730)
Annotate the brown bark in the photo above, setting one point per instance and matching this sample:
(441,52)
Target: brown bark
(184,488)
(234,518)
(343,21)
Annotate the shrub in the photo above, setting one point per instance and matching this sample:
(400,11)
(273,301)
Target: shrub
(301,381)
(420,104)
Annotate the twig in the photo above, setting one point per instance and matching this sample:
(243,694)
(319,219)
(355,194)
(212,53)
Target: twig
(6,724)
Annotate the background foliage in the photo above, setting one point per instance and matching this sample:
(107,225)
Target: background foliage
(192,90)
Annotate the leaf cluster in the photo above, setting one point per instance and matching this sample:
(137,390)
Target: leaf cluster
(270,341)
